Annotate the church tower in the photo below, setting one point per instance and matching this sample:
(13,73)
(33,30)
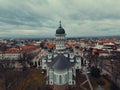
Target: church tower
(60,38)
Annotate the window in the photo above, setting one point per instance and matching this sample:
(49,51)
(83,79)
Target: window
(71,55)
(60,79)
(51,82)
(51,74)
(55,77)
(66,77)
(70,75)
(44,67)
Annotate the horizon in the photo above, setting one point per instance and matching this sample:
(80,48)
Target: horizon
(53,37)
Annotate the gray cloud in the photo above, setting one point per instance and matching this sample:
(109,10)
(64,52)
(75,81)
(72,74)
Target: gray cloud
(40,17)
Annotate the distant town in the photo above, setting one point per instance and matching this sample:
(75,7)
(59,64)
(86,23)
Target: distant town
(60,63)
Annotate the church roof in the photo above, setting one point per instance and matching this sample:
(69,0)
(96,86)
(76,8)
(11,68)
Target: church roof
(60,63)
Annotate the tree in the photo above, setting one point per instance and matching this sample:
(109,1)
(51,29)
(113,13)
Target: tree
(95,72)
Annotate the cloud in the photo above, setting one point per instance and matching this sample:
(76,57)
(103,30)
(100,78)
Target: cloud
(39,18)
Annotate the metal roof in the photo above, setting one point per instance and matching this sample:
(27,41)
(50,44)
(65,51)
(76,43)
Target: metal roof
(60,30)
(60,63)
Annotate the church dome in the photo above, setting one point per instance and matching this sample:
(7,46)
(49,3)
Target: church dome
(60,30)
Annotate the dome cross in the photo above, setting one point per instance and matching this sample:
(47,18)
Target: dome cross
(60,23)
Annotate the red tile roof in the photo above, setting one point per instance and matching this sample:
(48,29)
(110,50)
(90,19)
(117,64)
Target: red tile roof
(107,41)
(1,52)
(29,47)
(12,52)
(50,45)
(13,49)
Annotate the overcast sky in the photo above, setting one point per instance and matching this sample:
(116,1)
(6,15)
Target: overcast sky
(38,18)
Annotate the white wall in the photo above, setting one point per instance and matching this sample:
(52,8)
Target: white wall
(60,79)
(12,56)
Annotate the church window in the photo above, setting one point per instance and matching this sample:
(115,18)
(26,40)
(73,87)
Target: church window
(60,79)
(51,82)
(55,78)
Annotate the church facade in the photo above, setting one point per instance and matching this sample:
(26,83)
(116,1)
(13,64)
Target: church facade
(61,64)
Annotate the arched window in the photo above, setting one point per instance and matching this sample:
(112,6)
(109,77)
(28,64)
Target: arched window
(60,79)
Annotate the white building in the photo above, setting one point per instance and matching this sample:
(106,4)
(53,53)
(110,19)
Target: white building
(61,64)
(11,54)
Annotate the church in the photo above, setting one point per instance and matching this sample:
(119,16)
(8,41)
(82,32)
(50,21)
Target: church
(61,64)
